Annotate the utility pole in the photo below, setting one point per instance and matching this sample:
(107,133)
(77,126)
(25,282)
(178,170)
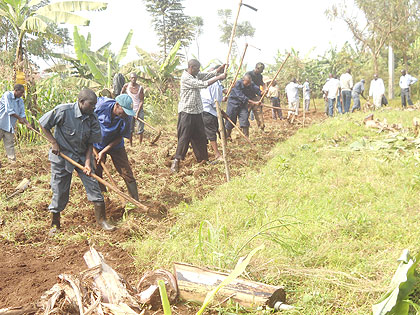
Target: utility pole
(391,66)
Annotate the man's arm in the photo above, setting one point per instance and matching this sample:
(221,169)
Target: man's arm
(110,145)
(88,170)
(55,148)
(124,88)
(413,80)
(141,102)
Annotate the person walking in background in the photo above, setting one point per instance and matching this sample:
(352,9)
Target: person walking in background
(241,96)
(377,91)
(257,79)
(12,109)
(358,90)
(306,95)
(211,125)
(190,128)
(292,92)
(332,91)
(115,120)
(136,92)
(346,84)
(273,94)
(76,130)
(406,81)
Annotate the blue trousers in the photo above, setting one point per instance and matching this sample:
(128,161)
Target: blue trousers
(237,112)
(356,102)
(331,103)
(346,95)
(60,185)
(137,123)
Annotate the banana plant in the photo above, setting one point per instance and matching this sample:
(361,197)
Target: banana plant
(93,69)
(163,74)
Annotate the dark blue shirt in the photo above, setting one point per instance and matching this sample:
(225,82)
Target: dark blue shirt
(241,94)
(111,127)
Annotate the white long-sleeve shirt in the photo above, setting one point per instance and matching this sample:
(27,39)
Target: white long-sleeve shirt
(292,91)
(377,87)
(406,81)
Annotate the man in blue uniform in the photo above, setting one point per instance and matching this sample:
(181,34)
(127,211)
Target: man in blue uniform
(114,118)
(242,94)
(76,129)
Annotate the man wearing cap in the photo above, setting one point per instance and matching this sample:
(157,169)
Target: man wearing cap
(377,90)
(358,90)
(114,118)
(76,129)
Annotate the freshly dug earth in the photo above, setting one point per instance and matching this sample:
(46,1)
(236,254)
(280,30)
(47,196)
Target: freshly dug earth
(31,261)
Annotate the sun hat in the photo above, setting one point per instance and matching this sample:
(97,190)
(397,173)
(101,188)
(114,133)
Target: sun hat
(125,101)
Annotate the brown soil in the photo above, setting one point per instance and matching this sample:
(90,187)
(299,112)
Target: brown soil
(30,261)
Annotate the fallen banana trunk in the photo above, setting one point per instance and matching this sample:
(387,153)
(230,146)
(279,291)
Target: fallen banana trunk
(194,283)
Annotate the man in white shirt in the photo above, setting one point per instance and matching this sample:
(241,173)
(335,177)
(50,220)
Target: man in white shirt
(346,83)
(292,91)
(406,81)
(306,94)
(332,91)
(377,91)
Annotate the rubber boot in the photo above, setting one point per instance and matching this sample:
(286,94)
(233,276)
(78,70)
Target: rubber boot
(132,190)
(55,224)
(245,130)
(101,217)
(228,133)
(175,166)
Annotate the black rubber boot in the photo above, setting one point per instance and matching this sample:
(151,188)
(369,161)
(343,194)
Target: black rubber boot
(228,133)
(132,190)
(101,218)
(55,224)
(175,166)
(245,130)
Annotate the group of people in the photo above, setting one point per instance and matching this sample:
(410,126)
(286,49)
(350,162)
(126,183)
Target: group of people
(338,92)
(94,127)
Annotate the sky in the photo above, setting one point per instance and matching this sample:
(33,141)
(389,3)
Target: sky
(279,24)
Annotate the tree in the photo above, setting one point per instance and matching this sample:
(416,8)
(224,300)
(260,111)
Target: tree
(39,17)
(378,22)
(243,29)
(170,23)
(198,23)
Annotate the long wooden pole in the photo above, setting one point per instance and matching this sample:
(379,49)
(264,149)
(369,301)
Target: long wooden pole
(150,126)
(102,181)
(275,77)
(237,72)
(236,127)
(223,136)
(107,172)
(232,35)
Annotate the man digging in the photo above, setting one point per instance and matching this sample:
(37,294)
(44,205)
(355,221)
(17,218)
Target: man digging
(190,127)
(241,96)
(76,129)
(114,118)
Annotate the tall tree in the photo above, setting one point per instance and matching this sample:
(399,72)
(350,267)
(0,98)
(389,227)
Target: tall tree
(39,16)
(170,23)
(373,22)
(243,29)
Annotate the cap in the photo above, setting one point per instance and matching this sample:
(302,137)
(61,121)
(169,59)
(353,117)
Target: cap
(125,101)
(363,80)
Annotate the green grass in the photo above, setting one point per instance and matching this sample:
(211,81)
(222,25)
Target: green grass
(333,220)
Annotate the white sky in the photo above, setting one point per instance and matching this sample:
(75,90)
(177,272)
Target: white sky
(279,24)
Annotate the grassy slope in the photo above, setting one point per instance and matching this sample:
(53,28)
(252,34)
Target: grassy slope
(341,218)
